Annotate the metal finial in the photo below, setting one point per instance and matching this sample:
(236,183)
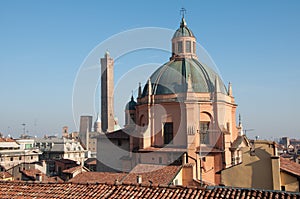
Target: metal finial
(182,12)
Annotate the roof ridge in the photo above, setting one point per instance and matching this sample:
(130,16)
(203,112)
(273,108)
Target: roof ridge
(217,190)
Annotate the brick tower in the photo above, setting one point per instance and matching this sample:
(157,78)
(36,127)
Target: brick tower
(107,93)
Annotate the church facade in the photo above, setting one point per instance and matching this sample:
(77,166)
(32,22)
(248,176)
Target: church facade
(184,115)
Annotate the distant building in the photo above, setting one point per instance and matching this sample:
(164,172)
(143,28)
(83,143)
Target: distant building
(60,148)
(16,171)
(289,148)
(65,132)
(87,136)
(295,142)
(58,166)
(73,136)
(261,168)
(13,153)
(26,143)
(72,172)
(285,141)
(84,129)
(38,176)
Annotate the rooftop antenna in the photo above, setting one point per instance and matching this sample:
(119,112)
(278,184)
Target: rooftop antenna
(24,128)
(246,130)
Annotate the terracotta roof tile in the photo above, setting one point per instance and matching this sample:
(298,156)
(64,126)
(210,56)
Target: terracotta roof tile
(6,140)
(31,174)
(14,190)
(4,175)
(98,177)
(10,189)
(290,166)
(91,161)
(73,169)
(156,174)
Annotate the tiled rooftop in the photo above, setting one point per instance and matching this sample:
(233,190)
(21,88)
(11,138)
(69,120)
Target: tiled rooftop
(73,169)
(4,175)
(31,174)
(290,166)
(157,174)
(6,140)
(13,190)
(91,161)
(98,177)
(119,134)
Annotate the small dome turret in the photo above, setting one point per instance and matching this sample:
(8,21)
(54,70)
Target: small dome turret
(131,104)
(183,30)
(183,42)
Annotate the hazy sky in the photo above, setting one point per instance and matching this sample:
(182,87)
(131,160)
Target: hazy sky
(255,44)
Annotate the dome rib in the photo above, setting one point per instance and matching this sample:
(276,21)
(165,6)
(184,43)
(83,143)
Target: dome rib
(206,76)
(164,68)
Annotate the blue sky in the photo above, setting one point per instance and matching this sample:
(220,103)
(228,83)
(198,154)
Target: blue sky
(255,45)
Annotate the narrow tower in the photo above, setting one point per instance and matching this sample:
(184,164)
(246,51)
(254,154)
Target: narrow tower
(84,129)
(107,93)
(97,124)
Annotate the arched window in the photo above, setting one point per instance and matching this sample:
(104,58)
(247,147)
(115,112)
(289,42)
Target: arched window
(179,47)
(173,47)
(204,133)
(188,47)
(194,47)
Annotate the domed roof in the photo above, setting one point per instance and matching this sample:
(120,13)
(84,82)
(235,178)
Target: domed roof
(131,104)
(183,30)
(172,78)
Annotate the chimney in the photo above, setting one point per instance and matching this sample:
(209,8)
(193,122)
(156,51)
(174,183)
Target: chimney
(39,177)
(139,179)
(117,182)
(184,159)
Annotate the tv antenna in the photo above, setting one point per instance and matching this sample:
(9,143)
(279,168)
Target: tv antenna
(246,130)
(24,128)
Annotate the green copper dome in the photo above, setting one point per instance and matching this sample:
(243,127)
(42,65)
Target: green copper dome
(172,78)
(183,30)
